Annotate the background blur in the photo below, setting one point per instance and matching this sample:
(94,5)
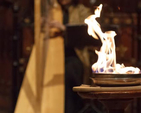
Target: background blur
(17,39)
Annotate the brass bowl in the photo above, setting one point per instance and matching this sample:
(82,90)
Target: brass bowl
(101,79)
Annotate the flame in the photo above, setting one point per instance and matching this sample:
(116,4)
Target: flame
(106,62)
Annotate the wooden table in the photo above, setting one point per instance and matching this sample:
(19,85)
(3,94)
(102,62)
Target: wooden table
(115,99)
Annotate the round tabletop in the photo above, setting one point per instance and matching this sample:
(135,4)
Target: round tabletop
(97,92)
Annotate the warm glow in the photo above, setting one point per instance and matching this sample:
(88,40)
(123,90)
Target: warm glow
(106,62)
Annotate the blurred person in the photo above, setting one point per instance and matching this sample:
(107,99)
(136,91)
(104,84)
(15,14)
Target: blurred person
(75,65)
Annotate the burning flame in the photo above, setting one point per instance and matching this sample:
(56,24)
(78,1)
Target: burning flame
(106,62)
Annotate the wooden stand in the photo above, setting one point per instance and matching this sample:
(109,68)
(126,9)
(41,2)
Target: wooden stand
(115,99)
(116,105)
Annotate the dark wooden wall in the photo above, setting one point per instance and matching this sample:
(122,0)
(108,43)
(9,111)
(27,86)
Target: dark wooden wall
(6,59)
(16,40)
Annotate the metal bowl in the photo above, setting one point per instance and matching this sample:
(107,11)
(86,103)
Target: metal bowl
(101,79)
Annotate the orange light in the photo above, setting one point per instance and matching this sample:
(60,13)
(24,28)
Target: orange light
(118,8)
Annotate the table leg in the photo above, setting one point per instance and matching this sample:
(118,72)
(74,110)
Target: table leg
(116,111)
(116,105)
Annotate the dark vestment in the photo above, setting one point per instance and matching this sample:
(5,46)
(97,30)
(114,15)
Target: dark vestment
(73,75)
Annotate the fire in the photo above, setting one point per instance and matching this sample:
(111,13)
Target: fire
(106,62)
